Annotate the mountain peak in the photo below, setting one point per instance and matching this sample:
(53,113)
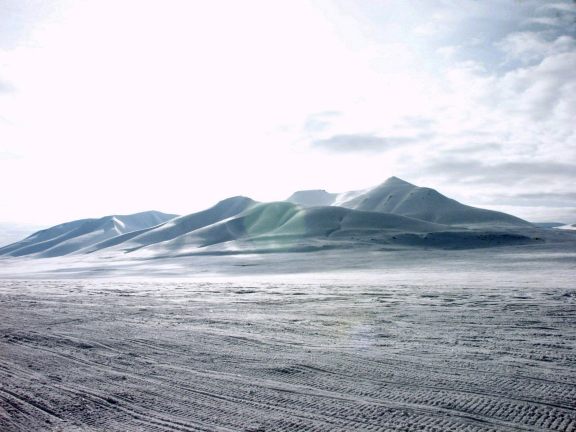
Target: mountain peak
(312,197)
(396,181)
(236,199)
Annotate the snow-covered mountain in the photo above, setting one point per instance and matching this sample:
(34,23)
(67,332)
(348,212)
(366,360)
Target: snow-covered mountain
(287,226)
(75,236)
(179,227)
(393,214)
(399,197)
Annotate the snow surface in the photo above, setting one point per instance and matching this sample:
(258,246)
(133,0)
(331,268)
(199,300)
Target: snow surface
(392,341)
(212,321)
(548,224)
(567,227)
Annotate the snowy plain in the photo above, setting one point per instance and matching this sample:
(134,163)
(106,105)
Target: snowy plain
(389,309)
(433,340)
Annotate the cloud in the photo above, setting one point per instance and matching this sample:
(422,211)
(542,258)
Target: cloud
(559,6)
(353,143)
(320,121)
(546,21)
(6,155)
(528,109)
(545,213)
(528,47)
(552,199)
(474,148)
(541,91)
(6,87)
(472,171)
(417,123)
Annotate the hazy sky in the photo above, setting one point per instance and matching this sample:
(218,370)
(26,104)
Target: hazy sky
(119,106)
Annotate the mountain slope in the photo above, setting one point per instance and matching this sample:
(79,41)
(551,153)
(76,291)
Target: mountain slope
(178,226)
(284,225)
(399,197)
(394,213)
(74,236)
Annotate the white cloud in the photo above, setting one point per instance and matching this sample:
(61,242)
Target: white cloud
(529,47)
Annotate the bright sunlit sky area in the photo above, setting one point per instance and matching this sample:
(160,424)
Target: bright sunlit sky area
(120,106)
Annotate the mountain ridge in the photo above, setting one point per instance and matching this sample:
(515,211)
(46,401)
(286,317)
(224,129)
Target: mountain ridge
(394,212)
(400,197)
(72,236)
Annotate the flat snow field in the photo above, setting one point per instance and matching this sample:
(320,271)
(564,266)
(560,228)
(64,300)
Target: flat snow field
(408,349)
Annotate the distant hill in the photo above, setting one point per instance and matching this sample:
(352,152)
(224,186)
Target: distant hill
(74,236)
(399,197)
(177,227)
(394,214)
(285,225)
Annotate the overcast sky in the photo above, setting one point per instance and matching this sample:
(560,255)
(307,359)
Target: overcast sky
(119,106)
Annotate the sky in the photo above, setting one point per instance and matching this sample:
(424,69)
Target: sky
(120,106)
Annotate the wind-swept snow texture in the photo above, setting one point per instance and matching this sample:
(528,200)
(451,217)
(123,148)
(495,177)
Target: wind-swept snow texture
(450,345)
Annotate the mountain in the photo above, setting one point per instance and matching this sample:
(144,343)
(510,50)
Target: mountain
(399,197)
(393,214)
(284,225)
(74,236)
(287,227)
(177,227)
